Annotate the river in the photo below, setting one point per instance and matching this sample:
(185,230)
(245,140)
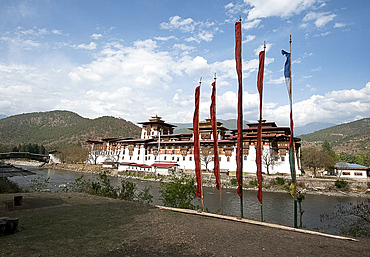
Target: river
(277,207)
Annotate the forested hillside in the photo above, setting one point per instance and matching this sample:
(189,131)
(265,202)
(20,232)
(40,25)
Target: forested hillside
(60,128)
(351,138)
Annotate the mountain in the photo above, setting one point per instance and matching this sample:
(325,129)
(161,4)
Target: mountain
(311,127)
(351,138)
(56,128)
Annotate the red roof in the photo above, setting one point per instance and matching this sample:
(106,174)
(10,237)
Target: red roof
(164,165)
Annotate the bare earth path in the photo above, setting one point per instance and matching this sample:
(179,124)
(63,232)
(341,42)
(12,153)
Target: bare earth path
(70,224)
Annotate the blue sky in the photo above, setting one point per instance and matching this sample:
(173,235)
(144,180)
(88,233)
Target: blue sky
(135,59)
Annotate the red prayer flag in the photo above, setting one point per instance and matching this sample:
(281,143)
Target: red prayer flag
(196,143)
(216,168)
(259,128)
(238,59)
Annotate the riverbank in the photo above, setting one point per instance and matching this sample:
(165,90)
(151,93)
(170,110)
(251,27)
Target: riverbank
(316,186)
(71,224)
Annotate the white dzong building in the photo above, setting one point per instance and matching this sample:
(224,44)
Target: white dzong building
(159,150)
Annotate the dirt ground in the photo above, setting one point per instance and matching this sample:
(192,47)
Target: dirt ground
(71,224)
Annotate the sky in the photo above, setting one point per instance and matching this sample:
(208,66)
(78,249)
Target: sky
(139,58)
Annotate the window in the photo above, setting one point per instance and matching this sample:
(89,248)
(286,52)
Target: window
(155,157)
(178,158)
(245,157)
(138,151)
(148,157)
(183,158)
(358,173)
(130,158)
(282,158)
(138,158)
(190,158)
(346,173)
(173,158)
(219,158)
(228,158)
(165,157)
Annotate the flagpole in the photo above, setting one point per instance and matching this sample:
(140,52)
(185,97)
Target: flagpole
(216,149)
(201,181)
(198,170)
(239,150)
(292,132)
(264,56)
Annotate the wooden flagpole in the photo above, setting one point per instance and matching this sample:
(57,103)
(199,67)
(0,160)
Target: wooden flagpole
(219,175)
(292,133)
(240,142)
(264,49)
(201,181)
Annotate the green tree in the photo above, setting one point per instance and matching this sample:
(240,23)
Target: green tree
(74,154)
(327,149)
(346,157)
(315,159)
(179,192)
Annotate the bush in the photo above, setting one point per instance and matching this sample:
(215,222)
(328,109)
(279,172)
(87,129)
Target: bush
(7,186)
(179,192)
(103,187)
(280,181)
(234,182)
(38,184)
(253,182)
(341,183)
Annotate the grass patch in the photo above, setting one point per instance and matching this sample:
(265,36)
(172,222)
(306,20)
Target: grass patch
(69,224)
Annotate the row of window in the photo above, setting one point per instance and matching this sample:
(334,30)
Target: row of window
(190,158)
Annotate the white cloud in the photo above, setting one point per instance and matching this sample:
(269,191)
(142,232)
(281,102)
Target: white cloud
(278,81)
(282,8)
(339,25)
(164,38)
(205,35)
(261,47)
(250,25)
(91,46)
(198,66)
(176,22)
(96,36)
(249,38)
(185,49)
(335,107)
(321,19)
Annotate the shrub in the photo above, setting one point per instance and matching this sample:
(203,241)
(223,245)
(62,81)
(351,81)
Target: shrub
(253,182)
(38,184)
(234,182)
(280,181)
(103,187)
(127,191)
(179,192)
(341,183)
(7,186)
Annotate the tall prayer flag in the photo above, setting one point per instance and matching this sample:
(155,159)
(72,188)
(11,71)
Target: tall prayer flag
(216,169)
(196,143)
(259,128)
(288,81)
(239,154)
